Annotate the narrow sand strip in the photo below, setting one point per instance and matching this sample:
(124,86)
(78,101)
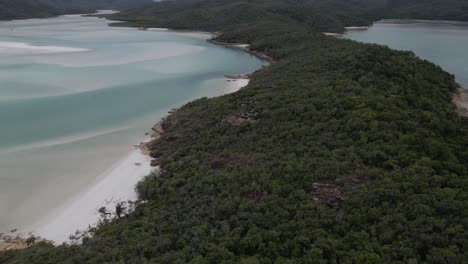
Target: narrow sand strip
(234,85)
(115,185)
(357,28)
(331,34)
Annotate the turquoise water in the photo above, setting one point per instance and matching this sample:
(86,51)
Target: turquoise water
(444,43)
(76,95)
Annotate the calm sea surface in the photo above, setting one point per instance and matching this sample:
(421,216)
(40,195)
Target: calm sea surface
(443,43)
(76,95)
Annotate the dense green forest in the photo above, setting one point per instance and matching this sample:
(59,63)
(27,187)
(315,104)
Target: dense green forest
(97,4)
(19,9)
(340,152)
(323,15)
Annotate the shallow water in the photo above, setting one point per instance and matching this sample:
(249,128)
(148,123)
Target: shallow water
(76,95)
(444,43)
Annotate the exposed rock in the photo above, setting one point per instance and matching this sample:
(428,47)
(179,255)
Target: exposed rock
(156,153)
(151,148)
(144,148)
(236,120)
(460,98)
(329,194)
(157,130)
(243,117)
(11,242)
(155,163)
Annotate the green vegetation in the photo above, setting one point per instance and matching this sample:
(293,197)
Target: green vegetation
(351,153)
(322,15)
(21,9)
(96,4)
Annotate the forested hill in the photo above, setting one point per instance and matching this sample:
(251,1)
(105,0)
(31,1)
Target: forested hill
(20,9)
(429,9)
(323,15)
(340,152)
(97,4)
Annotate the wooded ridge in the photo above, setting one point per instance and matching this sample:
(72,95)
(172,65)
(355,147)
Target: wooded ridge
(352,153)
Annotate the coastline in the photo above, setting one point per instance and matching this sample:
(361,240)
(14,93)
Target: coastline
(82,211)
(114,185)
(347,30)
(357,27)
(244,47)
(233,84)
(73,220)
(239,81)
(425,21)
(401,21)
(201,193)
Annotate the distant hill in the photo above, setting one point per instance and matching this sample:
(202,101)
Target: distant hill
(323,15)
(97,4)
(20,9)
(25,9)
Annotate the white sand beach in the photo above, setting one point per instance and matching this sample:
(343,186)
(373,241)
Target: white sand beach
(234,85)
(115,185)
(357,28)
(74,134)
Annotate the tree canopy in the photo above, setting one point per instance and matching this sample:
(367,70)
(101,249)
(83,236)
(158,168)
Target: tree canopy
(340,152)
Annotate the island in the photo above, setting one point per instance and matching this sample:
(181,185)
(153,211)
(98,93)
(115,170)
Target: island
(338,152)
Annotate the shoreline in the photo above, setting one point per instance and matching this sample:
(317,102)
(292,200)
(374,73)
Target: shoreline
(245,47)
(81,212)
(78,217)
(400,21)
(234,85)
(357,27)
(460,99)
(424,21)
(347,31)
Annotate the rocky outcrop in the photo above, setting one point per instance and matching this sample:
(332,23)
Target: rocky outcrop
(329,194)
(460,98)
(13,242)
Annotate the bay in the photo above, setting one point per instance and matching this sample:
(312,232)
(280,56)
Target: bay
(441,42)
(76,95)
